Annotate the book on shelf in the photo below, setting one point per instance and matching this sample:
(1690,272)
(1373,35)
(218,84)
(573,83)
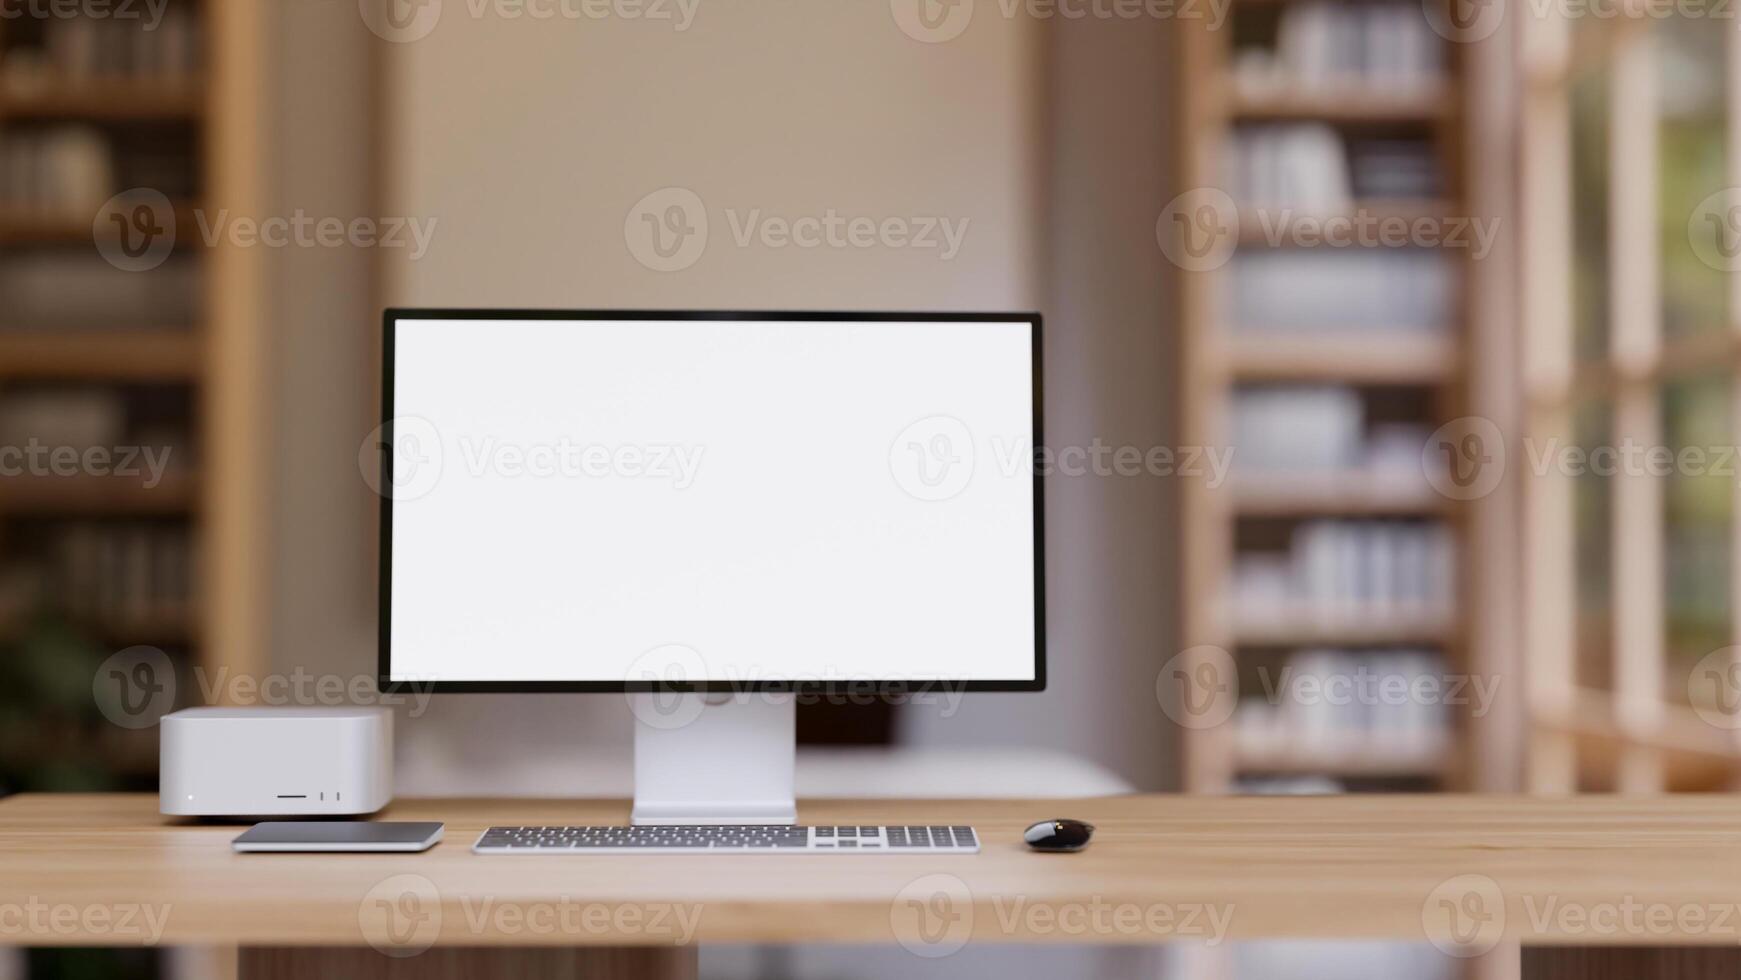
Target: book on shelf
(124,573)
(162,48)
(1318,437)
(63,170)
(1295,291)
(1342,47)
(1314,169)
(1383,708)
(1337,573)
(76,288)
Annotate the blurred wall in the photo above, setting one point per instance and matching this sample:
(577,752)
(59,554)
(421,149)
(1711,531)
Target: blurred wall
(324,309)
(528,142)
(1112,556)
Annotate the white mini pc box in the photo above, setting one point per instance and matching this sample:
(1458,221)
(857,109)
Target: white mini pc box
(289,761)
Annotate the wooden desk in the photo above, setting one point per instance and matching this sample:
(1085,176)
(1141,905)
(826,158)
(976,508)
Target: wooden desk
(1470,874)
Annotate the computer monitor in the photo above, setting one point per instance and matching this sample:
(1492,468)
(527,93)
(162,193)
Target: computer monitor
(711,512)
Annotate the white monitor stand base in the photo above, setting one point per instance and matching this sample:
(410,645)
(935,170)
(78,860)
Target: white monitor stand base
(715,759)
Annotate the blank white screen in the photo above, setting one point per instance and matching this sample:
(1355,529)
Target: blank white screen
(598,500)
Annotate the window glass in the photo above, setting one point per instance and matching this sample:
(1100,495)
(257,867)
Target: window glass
(1693,203)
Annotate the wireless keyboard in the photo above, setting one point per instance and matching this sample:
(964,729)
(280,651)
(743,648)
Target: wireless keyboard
(728,839)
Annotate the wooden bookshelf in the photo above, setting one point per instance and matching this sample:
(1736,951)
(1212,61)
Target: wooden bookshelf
(1351,106)
(1401,355)
(209,499)
(97,496)
(134,354)
(1343,630)
(23,228)
(1447,370)
(1374,760)
(110,101)
(1257,224)
(1350,494)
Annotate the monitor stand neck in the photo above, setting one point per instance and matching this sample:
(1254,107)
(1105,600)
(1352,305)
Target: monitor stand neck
(715,759)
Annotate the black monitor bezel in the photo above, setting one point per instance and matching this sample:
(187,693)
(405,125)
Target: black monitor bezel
(822,689)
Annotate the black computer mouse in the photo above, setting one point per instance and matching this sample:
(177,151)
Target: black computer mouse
(1058,835)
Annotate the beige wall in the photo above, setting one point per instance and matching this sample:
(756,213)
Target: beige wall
(528,142)
(322,302)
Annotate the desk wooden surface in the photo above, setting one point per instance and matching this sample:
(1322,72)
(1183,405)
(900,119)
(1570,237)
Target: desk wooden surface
(1549,871)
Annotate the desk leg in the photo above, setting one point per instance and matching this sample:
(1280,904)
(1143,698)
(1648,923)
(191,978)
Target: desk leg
(1631,963)
(469,963)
